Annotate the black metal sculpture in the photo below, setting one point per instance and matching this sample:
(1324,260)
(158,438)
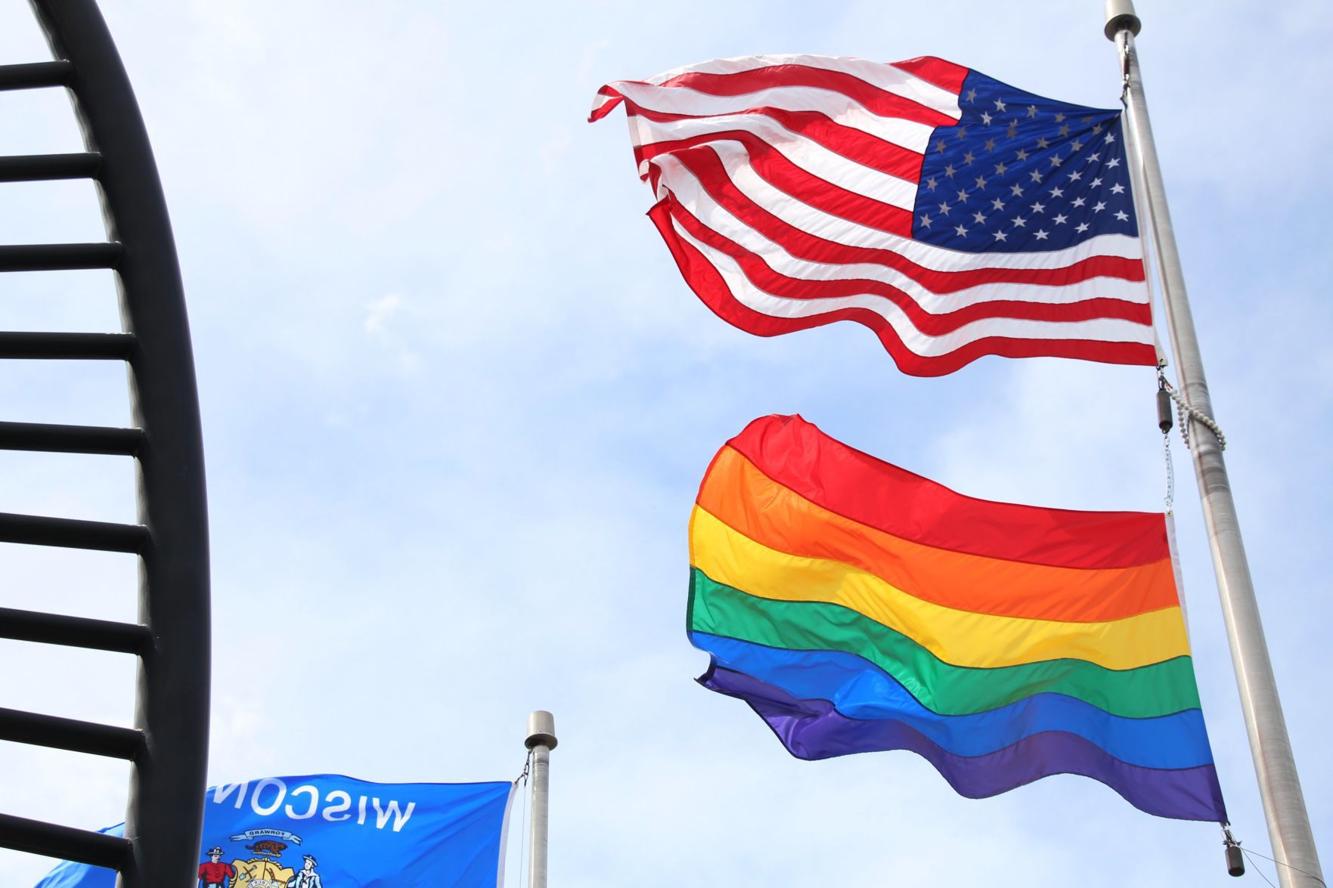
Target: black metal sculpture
(169,743)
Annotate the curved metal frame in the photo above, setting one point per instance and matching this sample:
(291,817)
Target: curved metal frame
(169,743)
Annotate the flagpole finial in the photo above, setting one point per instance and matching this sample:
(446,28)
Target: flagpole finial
(1120,17)
(541,730)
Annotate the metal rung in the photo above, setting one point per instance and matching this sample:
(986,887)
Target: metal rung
(39,530)
(58,257)
(35,75)
(68,346)
(97,635)
(67,843)
(45,167)
(48,438)
(17,726)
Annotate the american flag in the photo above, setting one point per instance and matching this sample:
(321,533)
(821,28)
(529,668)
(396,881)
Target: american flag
(952,214)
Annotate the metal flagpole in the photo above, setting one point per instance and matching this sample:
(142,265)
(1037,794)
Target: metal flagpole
(1284,806)
(541,740)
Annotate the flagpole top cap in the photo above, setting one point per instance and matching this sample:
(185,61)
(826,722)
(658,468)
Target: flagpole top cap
(541,730)
(1120,17)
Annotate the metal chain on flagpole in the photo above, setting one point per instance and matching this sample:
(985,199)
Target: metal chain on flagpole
(1167,394)
(1189,412)
(1185,410)
(1170,498)
(1164,424)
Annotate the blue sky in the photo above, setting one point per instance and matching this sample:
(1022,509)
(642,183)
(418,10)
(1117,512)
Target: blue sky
(456,403)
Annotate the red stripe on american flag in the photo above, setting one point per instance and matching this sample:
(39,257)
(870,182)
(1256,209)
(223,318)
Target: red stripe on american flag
(943,74)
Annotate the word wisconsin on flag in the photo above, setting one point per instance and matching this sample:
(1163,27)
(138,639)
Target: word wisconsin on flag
(858,607)
(329,831)
(953,215)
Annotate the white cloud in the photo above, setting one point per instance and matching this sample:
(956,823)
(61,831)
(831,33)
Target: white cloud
(379,312)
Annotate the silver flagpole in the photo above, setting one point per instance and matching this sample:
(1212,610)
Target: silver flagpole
(541,740)
(1284,805)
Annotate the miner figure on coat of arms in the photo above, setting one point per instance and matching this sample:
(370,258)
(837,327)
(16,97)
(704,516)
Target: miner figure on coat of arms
(213,873)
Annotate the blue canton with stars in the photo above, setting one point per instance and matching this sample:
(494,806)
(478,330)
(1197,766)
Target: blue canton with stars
(1021,173)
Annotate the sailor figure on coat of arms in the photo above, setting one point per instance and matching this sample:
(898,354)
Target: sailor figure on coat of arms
(307,877)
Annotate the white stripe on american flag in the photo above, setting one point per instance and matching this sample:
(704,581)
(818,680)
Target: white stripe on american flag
(804,169)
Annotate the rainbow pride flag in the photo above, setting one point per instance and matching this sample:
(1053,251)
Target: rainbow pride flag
(858,607)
